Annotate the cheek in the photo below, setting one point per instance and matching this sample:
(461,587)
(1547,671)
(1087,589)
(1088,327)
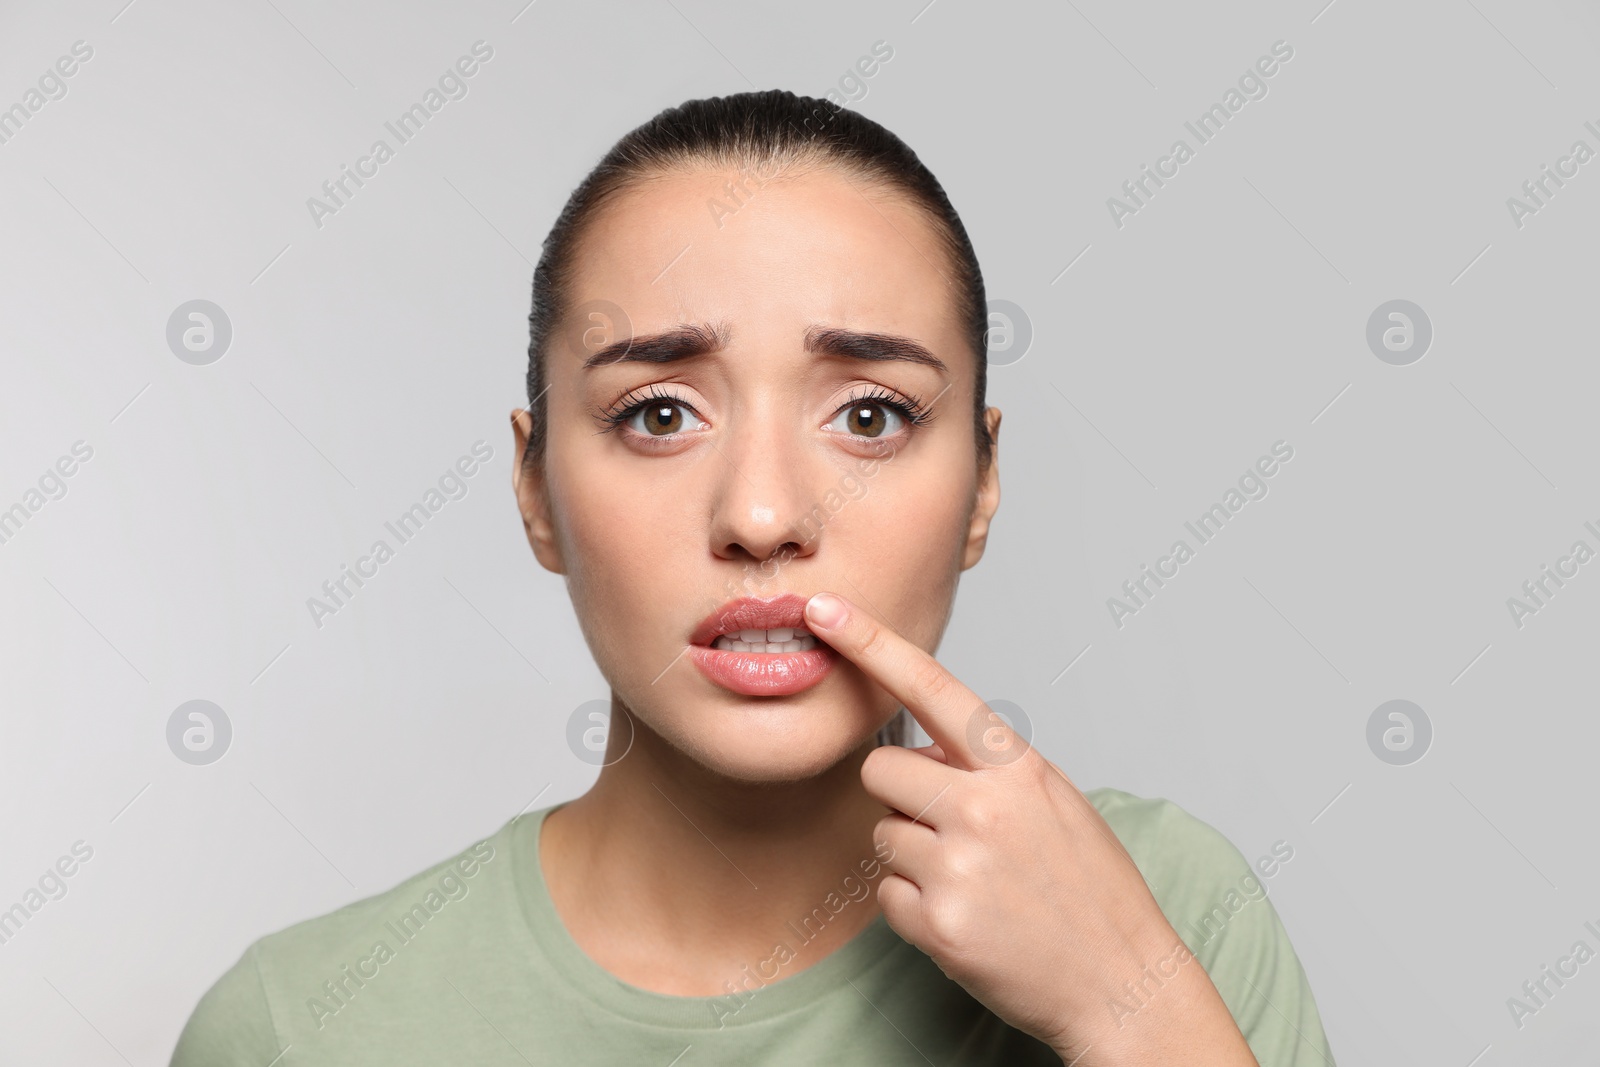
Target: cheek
(611,535)
(906,526)
(625,544)
(904,549)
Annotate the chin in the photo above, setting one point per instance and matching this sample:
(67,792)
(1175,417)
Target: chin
(772,740)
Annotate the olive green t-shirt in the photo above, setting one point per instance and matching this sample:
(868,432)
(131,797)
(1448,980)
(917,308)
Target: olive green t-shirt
(468,963)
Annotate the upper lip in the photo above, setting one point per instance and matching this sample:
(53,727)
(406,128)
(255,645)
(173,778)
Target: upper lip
(752,613)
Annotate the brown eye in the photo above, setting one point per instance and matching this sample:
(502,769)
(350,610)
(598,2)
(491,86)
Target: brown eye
(870,419)
(662,419)
(866,420)
(657,415)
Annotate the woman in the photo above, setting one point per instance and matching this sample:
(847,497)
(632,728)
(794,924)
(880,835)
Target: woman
(758,450)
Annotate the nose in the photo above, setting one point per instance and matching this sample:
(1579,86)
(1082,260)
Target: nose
(763,494)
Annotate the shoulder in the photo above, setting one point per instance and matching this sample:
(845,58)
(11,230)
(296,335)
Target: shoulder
(350,929)
(1150,824)
(231,1024)
(1202,881)
(1177,851)
(258,1006)
(1217,901)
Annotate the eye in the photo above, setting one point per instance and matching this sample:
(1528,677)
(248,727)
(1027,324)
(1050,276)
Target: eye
(871,418)
(657,418)
(879,413)
(656,414)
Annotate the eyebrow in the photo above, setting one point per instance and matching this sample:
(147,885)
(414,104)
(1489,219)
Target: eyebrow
(687,341)
(853,344)
(680,342)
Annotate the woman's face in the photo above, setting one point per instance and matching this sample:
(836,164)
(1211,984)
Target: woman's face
(768,457)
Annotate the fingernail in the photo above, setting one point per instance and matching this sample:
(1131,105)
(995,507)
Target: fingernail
(826,610)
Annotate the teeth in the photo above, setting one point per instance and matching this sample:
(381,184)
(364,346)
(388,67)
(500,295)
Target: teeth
(778,639)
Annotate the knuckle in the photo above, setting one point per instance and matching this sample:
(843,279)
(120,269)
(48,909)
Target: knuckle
(983,817)
(947,922)
(963,862)
(874,641)
(1029,765)
(929,679)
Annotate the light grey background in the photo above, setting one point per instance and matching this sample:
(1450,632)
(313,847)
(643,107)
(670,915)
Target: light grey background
(1168,354)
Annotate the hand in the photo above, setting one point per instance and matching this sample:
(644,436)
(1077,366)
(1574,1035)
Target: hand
(1008,878)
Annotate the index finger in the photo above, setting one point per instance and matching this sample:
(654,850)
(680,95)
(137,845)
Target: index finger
(956,718)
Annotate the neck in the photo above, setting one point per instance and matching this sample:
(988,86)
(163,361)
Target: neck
(675,878)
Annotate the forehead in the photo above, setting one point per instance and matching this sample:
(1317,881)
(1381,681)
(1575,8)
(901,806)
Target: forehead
(807,246)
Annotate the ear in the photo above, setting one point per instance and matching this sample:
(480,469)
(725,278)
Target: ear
(988,496)
(528,483)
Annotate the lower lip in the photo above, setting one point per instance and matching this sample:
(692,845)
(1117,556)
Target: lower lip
(764,674)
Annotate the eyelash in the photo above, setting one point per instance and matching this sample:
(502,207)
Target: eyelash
(909,407)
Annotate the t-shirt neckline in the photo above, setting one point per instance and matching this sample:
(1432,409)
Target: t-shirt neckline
(780,994)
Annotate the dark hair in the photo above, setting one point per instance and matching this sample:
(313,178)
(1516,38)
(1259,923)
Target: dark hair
(770,128)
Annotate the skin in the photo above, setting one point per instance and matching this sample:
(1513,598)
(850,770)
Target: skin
(749,811)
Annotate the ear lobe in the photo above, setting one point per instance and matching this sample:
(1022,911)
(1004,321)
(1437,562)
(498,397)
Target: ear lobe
(533,502)
(988,495)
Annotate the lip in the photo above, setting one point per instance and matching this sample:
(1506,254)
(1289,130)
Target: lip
(759,673)
(751,613)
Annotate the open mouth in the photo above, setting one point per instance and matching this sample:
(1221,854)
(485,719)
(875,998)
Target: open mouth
(757,646)
(777,639)
(767,625)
